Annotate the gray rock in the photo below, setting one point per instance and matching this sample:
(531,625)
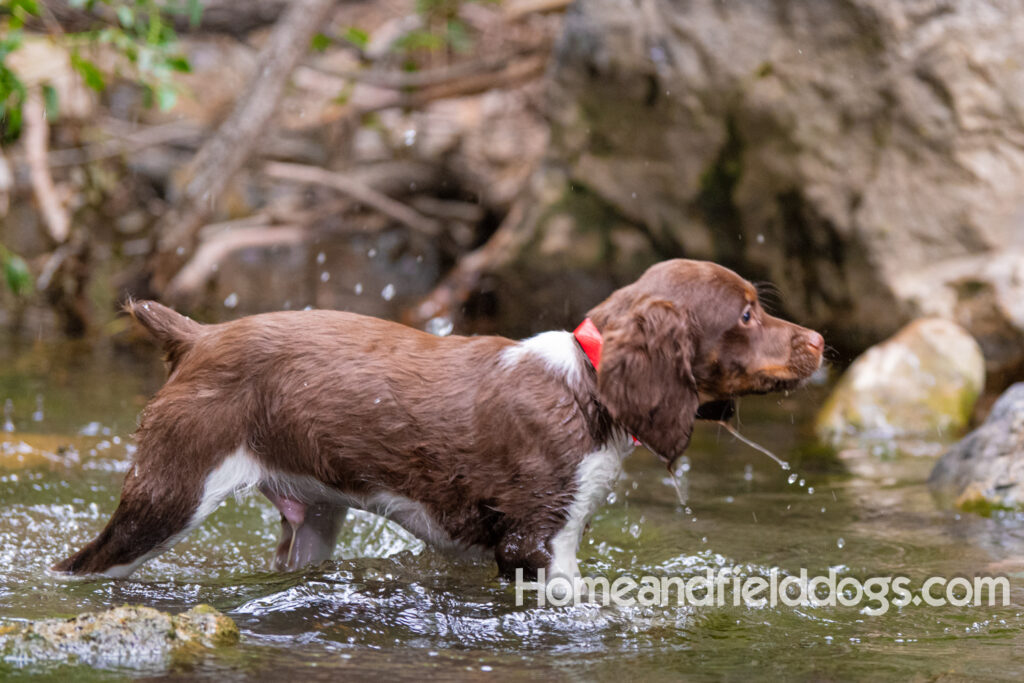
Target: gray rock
(923,382)
(135,637)
(986,468)
(843,149)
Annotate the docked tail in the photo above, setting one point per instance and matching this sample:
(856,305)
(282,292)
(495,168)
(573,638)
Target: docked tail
(175,332)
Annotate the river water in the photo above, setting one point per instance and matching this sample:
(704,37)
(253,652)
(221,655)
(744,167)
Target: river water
(388,607)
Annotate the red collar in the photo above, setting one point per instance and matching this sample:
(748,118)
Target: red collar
(589,339)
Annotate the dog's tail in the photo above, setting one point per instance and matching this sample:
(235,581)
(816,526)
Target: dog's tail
(175,332)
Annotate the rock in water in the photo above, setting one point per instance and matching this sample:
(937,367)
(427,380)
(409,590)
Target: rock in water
(986,468)
(922,382)
(134,637)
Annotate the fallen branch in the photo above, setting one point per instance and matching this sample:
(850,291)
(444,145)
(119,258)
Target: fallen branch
(222,155)
(37,140)
(520,8)
(409,80)
(456,288)
(356,190)
(193,277)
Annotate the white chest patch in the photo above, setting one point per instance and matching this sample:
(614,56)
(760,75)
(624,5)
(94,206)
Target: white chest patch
(595,477)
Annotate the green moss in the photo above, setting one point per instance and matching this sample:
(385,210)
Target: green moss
(981,506)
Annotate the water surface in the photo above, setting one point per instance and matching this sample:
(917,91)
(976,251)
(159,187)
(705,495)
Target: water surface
(387,606)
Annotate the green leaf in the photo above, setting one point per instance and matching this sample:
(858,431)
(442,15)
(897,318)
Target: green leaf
(17,275)
(320,42)
(179,63)
(195,12)
(126,15)
(166,96)
(458,36)
(89,72)
(420,40)
(52,103)
(357,37)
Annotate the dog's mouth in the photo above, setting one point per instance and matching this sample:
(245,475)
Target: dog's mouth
(721,410)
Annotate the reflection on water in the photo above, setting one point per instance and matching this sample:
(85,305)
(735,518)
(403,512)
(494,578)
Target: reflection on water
(388,605)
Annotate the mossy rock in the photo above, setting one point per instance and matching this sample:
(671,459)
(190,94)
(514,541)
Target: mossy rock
(921,383)
(127,636)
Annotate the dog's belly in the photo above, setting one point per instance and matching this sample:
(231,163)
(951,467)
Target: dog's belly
(290,492)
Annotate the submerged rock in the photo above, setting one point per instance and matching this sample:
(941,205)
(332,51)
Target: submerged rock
(986,468)
(123,636)
(923,382)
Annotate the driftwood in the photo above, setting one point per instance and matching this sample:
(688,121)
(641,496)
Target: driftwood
(197,272)
(356,190)
(222,155)
(37,141)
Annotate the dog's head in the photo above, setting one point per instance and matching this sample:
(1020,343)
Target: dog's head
(689,332)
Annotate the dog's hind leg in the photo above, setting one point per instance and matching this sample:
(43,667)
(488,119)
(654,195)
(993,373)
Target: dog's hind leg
(155,513)
(309,532)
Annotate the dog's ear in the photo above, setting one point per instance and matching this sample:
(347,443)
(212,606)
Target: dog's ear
(645,377)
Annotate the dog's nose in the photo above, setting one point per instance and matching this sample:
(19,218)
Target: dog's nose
(816,342)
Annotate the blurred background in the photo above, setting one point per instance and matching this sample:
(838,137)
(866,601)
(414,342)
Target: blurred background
(484,166)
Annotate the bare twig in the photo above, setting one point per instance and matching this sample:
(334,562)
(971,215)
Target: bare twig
(196,273)
(37,136)
(520,8)
(222,155)
(407,80)
(6,184)
(356,190)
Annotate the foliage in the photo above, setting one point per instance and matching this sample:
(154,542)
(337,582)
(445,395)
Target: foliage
(15,272)
(139,31)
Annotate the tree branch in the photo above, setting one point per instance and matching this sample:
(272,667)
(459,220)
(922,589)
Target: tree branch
(356,190)
(222,155)
(37,140)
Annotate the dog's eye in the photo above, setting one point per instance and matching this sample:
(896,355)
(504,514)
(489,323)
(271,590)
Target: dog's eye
(746,315)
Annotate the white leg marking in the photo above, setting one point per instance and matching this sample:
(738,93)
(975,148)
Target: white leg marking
(595,476)
(238,471)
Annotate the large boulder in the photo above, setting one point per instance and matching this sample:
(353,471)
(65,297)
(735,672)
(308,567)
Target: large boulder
(986,468)
(923,382)
(845,150)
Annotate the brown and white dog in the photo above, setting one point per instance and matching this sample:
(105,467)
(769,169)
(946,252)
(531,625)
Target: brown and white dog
(467,442)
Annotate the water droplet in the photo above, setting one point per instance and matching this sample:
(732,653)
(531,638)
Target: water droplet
(325,276)
(180,251)
(748,473)
(792,479)
(409,137)
(803,483)
(320,258)
(440,326)
(37,416)
(372,252)
(840,543)
(760,238)
(231,301)
(388,293)
(8,415)
(810,490)
(359,288)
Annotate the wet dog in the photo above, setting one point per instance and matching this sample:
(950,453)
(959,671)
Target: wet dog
(467,442)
